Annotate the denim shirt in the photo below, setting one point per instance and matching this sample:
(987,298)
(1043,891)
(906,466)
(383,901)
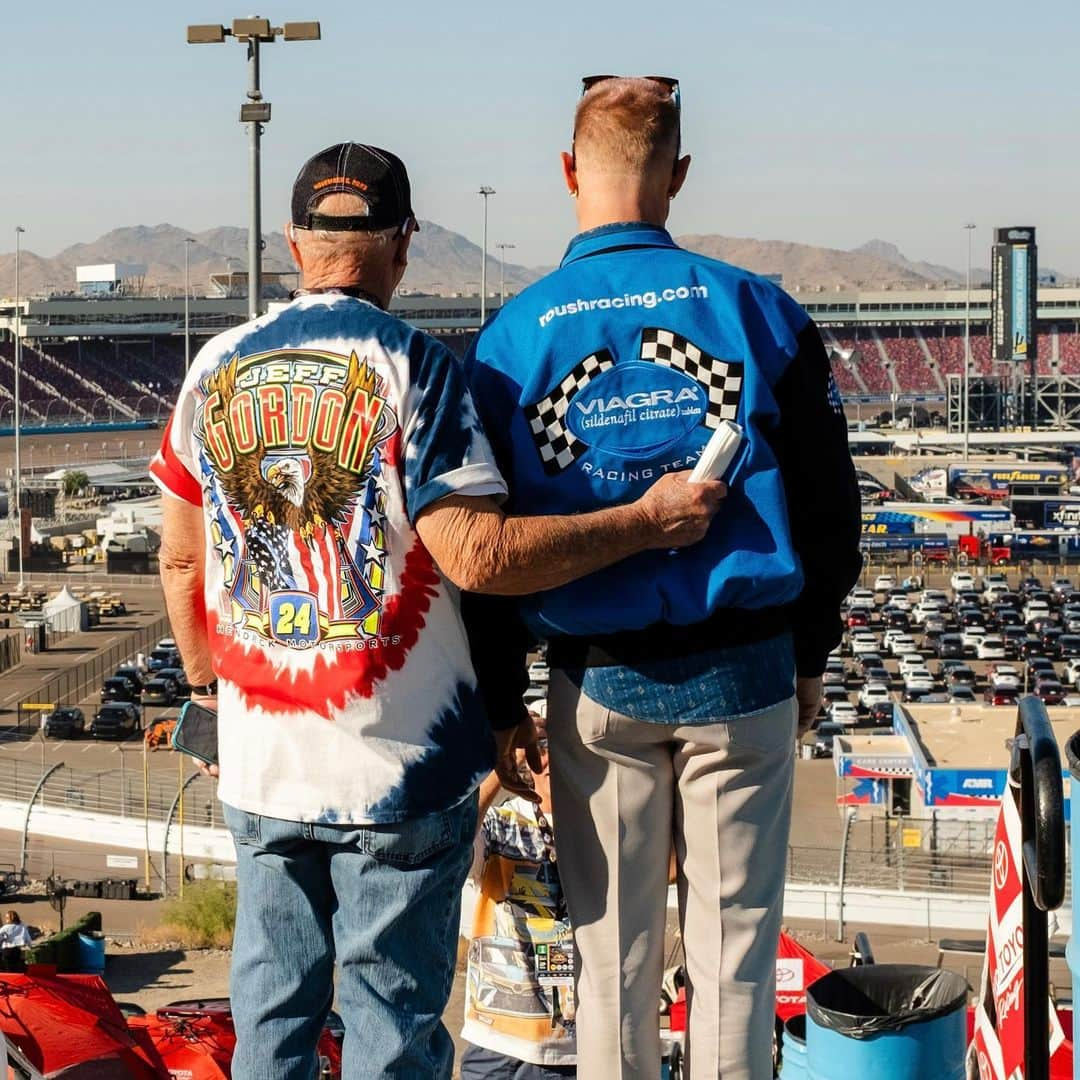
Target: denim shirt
(702,688)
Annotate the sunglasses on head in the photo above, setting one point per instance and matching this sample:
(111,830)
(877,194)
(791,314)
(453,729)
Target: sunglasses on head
(672,85)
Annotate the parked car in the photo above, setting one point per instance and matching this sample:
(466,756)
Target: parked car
(163,658)
(960,675)
(118,689)
(863,643)
(896,619)
(991,647)
(843,712)
(824,735)
(1001,695)
(1069,646)
(64,723)
(539,673)
(873,694)
(898,598)
(1072,671)
(116,720)
(1049,691)
(961,695)
(971,636)
(181,686)
(878,675)
(835,673)
(949,646)
(880,715)
(910,662)
(131,673)
(868,662)
(858,616)
(902,645)
(158,692)
(960,580)
(884,583)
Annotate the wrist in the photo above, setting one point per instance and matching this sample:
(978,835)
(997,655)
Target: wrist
(641,525)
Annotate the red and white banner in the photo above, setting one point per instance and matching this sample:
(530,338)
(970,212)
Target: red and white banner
(796,969)
(997,1052)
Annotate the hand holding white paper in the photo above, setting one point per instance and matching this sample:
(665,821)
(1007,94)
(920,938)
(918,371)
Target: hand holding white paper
(718,453)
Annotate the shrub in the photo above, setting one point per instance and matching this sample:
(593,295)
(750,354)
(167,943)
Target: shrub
(205,916)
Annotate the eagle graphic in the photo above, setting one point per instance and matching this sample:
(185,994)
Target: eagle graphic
(298,490)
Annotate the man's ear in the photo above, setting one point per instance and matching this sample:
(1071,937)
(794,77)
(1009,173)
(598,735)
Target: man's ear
(401,248)
(569,170)
(294,251)
(678,175)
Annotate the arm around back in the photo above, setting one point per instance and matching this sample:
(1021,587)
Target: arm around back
(481,549)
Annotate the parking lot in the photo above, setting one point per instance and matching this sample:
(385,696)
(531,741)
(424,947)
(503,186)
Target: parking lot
(974,637)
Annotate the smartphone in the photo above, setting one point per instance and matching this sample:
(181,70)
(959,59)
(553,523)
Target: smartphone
(196,733)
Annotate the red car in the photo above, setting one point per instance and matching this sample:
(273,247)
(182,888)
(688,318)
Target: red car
(858,617)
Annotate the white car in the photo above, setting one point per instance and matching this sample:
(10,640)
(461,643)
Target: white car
(991,647)
(899,600)
(1036,609)
(962,580)
(538,672)
(927,607)
(919,682)
(873,694)
(843,712)
(995,586)
(861,598)
(903,643)
(910,662)
(863,643)
(891,635)
(1072,672)
(1000,680)
(972,635)
(884,582)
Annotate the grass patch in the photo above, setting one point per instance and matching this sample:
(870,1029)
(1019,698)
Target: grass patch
(204,918)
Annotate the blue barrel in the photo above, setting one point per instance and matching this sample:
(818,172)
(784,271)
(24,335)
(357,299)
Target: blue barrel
(91,954)
(886,1022)
(1072,950)
(794,1053)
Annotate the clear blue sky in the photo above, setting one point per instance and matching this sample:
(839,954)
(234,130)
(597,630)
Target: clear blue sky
(827,123)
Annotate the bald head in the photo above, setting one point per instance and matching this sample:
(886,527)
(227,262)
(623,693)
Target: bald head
(626,127)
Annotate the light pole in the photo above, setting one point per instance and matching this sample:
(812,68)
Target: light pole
(503,249)
(484,191)
(970,229)
(256,112)
(188,241)
(19,230)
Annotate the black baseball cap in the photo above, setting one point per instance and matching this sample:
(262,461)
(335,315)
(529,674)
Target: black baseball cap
(376,176)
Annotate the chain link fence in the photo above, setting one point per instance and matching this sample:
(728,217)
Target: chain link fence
(72,685)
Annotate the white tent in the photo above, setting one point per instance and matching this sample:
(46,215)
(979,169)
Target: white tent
(66,613)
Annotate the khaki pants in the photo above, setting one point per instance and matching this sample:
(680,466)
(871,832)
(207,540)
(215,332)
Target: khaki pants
(622,790)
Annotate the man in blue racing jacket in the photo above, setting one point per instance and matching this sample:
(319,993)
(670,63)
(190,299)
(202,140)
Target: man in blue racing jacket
(678,678)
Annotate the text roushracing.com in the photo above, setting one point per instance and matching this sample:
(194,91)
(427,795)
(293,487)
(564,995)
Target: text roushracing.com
(648,299)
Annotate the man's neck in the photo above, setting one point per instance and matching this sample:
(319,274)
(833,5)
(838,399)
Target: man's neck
(611,209)
(343,278)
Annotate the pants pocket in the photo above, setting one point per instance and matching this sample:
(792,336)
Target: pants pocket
(768,731)
(243,826)
(411,843)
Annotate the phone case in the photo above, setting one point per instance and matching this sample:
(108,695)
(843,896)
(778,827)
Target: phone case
(196,733)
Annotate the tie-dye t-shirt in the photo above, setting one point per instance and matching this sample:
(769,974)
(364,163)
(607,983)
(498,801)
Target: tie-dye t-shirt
(312,437)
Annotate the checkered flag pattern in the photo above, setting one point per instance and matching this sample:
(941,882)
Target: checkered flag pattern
(557,445)
(722,380)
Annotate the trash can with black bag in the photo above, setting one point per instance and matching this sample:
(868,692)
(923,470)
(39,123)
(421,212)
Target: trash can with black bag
(886,1022)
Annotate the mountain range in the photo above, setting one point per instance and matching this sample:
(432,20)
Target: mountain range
(445,262)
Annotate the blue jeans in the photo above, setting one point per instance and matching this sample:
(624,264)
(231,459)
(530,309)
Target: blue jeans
(384,902)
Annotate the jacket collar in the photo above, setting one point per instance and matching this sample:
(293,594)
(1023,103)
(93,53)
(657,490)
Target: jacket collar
(621,234)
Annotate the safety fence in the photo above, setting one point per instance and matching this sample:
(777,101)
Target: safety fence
(72,685)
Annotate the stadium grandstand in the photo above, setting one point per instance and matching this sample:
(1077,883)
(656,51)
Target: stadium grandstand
(115,358)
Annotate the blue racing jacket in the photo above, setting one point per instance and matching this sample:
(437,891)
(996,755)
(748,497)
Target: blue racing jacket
(615,369)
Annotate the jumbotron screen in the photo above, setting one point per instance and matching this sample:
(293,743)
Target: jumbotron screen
(1014,276)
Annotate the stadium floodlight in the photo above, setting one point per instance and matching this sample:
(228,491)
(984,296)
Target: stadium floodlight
(16,488)
(970,229)
(245,29)
(206,34)
(503,249)
(253,32)
(188,241)
(484,192)
(302,31)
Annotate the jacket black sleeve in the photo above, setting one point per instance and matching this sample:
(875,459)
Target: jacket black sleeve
(824,504)
(499,644)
